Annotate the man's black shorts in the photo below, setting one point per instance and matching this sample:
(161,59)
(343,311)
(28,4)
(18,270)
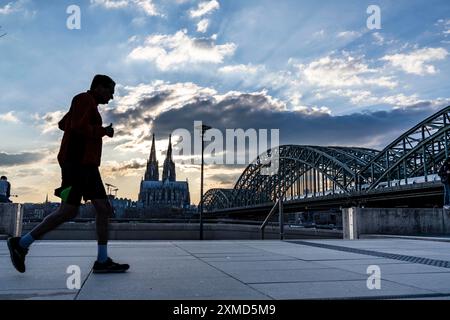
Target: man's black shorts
(80,181)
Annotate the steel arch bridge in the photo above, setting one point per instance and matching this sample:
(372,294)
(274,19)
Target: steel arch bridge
(315,171)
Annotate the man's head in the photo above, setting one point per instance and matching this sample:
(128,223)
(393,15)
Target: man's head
(102,88)
(3,178)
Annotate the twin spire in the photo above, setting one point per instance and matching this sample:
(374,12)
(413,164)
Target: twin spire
(152,173)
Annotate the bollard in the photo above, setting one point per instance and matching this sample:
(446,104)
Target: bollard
(11,215)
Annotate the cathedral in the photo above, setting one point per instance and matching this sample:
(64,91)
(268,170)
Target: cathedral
(167,193)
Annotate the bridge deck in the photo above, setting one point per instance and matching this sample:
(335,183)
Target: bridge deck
(235,270)
(418,195)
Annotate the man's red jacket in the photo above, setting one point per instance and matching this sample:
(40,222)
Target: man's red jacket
(83,132)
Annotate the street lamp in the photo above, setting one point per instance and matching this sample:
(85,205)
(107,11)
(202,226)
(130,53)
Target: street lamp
(204,128)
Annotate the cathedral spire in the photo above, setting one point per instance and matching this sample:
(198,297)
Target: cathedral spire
(169,149)
(153,151)
(151,173)
(169,165)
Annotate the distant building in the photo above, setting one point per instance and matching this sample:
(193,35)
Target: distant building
(38,211)
(121,205)
(167,193)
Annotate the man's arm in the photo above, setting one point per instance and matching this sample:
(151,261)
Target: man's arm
(80,119)
(8,190)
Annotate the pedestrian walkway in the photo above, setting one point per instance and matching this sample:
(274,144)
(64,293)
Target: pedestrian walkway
(235,270)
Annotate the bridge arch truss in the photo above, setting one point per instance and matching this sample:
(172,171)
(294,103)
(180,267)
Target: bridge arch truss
(315,171)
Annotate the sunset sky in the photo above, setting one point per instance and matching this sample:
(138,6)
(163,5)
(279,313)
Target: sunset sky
(309,68)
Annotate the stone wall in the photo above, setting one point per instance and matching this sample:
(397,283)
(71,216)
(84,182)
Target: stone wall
(182,231)
(395,221)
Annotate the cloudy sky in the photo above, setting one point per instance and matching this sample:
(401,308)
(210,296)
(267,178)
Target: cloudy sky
(312,69)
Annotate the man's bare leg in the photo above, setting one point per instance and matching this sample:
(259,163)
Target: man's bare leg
(18,246)
(104,211)
(63,214)
(104,264)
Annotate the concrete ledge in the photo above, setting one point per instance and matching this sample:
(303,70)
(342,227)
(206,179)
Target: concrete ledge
(395,221)
(11,219)
(182,231)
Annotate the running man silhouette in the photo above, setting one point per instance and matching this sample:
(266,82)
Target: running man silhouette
(79,158)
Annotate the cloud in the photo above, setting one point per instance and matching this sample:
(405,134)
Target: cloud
(24,190)
(225,179)
(111,4)
(48,122)
(311,111)
(443,21)
(135,108)
(416,61)
(178,51)
(17,6)
(320,33)
(7,160)
(131,167)
(8,8)
(349,35)
(204,8)
(347,71)
(162,107)
(379,39)
(27,172)
(9,117)
(302,126)
(147,6)
(343,75)
(241,69)
(367,98)
(401,100)
(202,26)
(255,77)
(231,110)
(287,84)
(146,101)
(445,25)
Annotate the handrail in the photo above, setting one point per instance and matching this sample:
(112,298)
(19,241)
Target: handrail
(272,211)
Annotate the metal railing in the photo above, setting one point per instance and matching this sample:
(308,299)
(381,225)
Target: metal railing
(279,205)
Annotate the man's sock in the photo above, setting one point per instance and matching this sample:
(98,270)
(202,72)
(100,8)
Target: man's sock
(26,241)
(102,255)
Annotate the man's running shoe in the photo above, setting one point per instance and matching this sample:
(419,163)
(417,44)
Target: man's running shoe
(109,266)
(17,253)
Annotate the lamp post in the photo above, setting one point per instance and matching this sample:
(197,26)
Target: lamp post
(204,129)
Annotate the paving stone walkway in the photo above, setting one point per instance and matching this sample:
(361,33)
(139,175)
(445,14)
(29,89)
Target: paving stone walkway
(232,270)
